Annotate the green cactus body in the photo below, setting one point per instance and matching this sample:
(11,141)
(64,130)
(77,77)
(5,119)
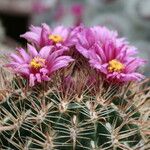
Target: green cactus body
(74,115)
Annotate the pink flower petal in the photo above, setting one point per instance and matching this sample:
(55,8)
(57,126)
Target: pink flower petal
(24,54)
(45,51)
(32,80)
(35,29)
(38,77)
(32,51)
(31,37)
(16,58)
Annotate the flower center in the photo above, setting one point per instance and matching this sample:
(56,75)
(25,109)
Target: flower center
(37,63)
(55,38)
(115,66)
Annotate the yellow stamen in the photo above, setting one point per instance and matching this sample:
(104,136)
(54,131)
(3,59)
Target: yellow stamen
(55,38)
(37,62)
(115,66)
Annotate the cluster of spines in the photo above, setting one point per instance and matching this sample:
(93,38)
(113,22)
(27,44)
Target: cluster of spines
(97,117)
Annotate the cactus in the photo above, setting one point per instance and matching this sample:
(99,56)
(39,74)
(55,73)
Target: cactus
(74,116)
(77,109)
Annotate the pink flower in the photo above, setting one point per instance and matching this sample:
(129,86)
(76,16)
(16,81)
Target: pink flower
(112,56)
(85,39)
(77,10)
(44,36)
(38,66)
(38,7)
